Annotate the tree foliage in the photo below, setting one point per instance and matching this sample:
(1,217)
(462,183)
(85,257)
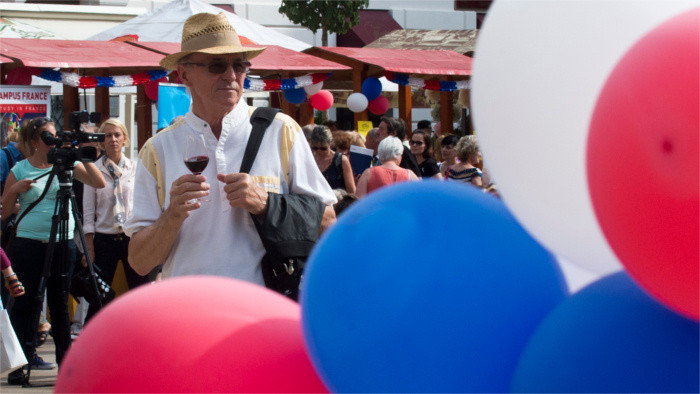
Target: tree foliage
(328,15)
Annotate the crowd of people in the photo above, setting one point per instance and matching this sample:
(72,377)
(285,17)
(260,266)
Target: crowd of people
(425,155)
(206,219)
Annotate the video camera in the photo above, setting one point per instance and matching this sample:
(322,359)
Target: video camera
(64,152)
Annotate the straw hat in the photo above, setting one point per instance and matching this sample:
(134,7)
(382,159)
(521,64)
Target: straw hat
(208,33)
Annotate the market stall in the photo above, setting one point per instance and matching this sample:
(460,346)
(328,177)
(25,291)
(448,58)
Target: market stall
(445,71)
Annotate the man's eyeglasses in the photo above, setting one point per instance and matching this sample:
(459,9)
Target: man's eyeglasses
(418,143)
(220,67)
(314,148)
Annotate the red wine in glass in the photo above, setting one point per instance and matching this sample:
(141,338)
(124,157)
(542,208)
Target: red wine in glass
(196,157)
(197,164)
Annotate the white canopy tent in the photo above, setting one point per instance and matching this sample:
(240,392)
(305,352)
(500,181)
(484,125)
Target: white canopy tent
(165,24)
(10,28)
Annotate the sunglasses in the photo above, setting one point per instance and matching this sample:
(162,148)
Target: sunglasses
(220,67)
(38,122)
(416,142)
(319,148)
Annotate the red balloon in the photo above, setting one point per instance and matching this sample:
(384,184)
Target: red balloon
(643,162)
(151,88)
(322,100)
(378,106)
(192,334)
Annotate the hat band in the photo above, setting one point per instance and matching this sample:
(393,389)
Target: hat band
(218,39)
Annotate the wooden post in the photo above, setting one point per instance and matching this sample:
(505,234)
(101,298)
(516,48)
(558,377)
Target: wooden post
(144,117)
(275,100)
(405,108)
(287,107)
(359,74)
(70,104)
(306,114)
(446,113)
(102,100)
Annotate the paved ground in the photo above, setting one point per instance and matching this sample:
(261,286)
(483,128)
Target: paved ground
(41,381)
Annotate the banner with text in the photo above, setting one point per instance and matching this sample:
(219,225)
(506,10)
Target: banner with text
(19,103)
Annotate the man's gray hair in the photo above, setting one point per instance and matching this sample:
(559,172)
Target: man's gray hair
(389,148)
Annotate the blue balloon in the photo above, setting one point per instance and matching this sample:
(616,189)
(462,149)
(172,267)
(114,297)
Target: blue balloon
(372,88)
(295,96)
(611,337)
(425,287)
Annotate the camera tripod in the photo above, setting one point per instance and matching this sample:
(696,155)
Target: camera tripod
(59,236)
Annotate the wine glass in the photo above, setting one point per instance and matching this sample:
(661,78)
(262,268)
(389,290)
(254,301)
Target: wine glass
(196,157)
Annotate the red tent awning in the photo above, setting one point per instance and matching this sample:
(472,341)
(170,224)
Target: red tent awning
(5,59)
(273,59)
(429,63)
(78,54)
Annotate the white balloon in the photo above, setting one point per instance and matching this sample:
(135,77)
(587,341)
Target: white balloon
(313,89)
(357,102)
(576,277)
(533,94)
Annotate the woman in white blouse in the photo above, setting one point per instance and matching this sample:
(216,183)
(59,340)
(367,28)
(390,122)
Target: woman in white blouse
(105,210)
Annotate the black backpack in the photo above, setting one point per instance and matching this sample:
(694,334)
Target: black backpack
(291,225)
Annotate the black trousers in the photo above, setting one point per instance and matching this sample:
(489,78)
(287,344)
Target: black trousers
(27,258)
(109,249)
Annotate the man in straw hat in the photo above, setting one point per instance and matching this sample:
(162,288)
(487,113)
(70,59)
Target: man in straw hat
(215,236)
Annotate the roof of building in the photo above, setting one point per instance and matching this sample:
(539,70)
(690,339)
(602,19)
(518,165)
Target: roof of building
(460,41)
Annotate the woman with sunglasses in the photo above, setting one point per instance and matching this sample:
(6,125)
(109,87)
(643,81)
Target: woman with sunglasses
(334,166)
(421,147)
(25,183)
(106,210)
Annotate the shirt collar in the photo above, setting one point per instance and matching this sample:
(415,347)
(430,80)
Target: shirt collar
(238,115)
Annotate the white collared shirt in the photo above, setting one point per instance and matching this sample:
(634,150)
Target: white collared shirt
(98,204)
(217,239)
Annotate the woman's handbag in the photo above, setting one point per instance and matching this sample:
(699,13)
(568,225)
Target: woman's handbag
(11,354)
(9,232)
(81,286)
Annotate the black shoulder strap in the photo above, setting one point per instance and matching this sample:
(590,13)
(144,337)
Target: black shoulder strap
(261,119)
(338,163)
(36,202)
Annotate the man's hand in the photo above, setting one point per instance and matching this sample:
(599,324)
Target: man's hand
(186,188)
(243,192)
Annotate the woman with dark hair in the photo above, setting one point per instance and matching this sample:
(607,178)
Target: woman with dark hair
(447,147)
(422,149)
(334,166)
(25,183)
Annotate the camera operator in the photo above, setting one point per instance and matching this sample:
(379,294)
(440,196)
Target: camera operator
(27,181)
